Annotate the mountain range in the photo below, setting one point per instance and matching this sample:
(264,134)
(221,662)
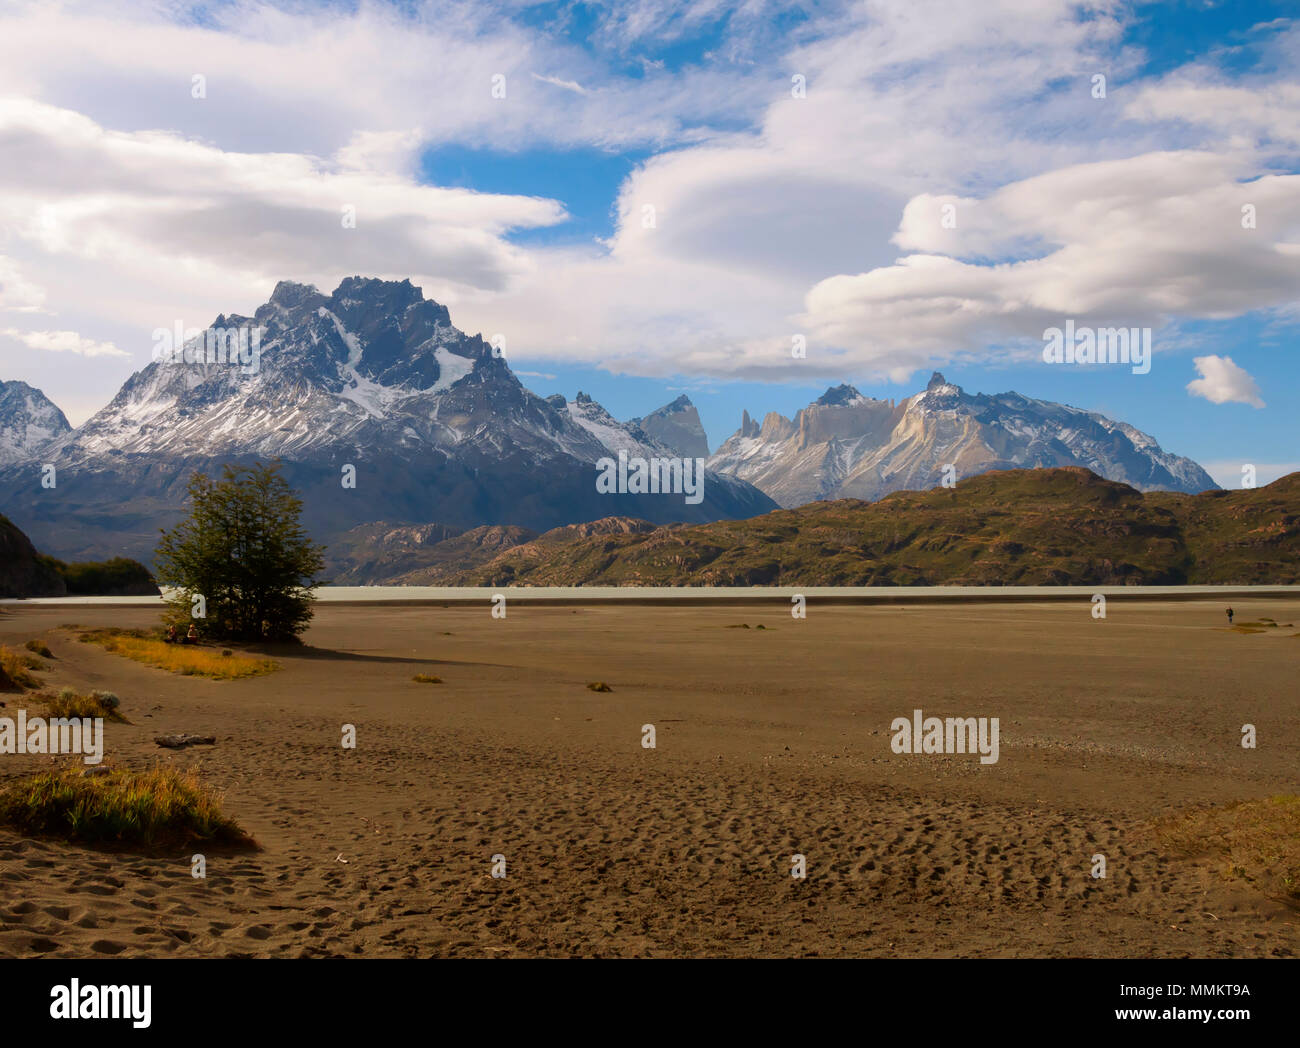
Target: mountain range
(372,385)
(402,432)
(845,445)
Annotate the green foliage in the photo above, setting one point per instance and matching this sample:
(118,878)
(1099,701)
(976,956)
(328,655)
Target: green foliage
(244,549)
(118,575)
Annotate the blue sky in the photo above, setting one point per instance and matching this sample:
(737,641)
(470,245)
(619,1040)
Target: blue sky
(1169,35)
(133,199)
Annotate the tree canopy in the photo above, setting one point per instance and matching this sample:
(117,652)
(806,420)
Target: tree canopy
(243,550)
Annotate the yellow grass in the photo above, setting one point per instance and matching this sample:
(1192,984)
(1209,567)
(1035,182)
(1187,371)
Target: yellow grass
(1254,841)
(16,667)
(71,704)
(162,806)
(426,678)
(187,659)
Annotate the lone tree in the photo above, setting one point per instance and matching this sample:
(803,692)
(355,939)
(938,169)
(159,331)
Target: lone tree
(245,553)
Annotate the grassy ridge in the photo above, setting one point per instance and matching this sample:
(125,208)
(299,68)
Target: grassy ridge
(1015,527)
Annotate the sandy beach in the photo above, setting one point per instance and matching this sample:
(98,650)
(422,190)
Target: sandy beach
(769,743)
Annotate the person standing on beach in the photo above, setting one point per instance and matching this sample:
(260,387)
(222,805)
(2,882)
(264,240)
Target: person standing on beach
(1229,616)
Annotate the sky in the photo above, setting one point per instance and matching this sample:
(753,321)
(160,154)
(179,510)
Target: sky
(652,197)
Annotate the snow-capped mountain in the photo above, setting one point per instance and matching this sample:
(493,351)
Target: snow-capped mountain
(677,425)
(845,445)
(29,422)
(433,422)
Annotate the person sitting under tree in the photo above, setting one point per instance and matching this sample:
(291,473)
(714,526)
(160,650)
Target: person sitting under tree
(171,634)
(192,637)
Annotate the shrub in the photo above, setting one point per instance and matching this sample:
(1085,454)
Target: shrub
(243,548)
(39,647)
(162,807)
(425,678)
(69,703)
(15,670)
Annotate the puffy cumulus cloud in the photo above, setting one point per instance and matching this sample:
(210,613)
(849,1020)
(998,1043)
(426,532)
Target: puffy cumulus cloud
(1139,241)
(1223,382)
(168,213)
(718,242)
(63,342)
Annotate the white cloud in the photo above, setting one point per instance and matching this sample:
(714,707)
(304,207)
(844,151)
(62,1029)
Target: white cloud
(202,230)
(814,215)
(64,342)
(568,85)
(16,292)
(1223,382)
(1139,241)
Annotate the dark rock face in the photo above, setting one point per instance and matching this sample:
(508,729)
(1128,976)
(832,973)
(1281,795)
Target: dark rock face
(22,571)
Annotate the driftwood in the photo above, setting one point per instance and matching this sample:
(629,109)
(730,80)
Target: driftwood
(177,742)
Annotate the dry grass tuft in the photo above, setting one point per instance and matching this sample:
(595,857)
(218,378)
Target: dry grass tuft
(1254,841)
(162,807)
(15,670)
(68,703)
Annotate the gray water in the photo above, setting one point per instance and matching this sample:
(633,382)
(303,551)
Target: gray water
(705,594)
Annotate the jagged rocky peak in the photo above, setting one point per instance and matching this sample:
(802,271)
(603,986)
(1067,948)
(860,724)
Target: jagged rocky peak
(29,421)
(939,386)
(848,446)
(677,426)
(840,396)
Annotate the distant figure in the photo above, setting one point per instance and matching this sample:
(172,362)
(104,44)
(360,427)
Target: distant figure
(1229,616)
(192,637)
(171,634)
